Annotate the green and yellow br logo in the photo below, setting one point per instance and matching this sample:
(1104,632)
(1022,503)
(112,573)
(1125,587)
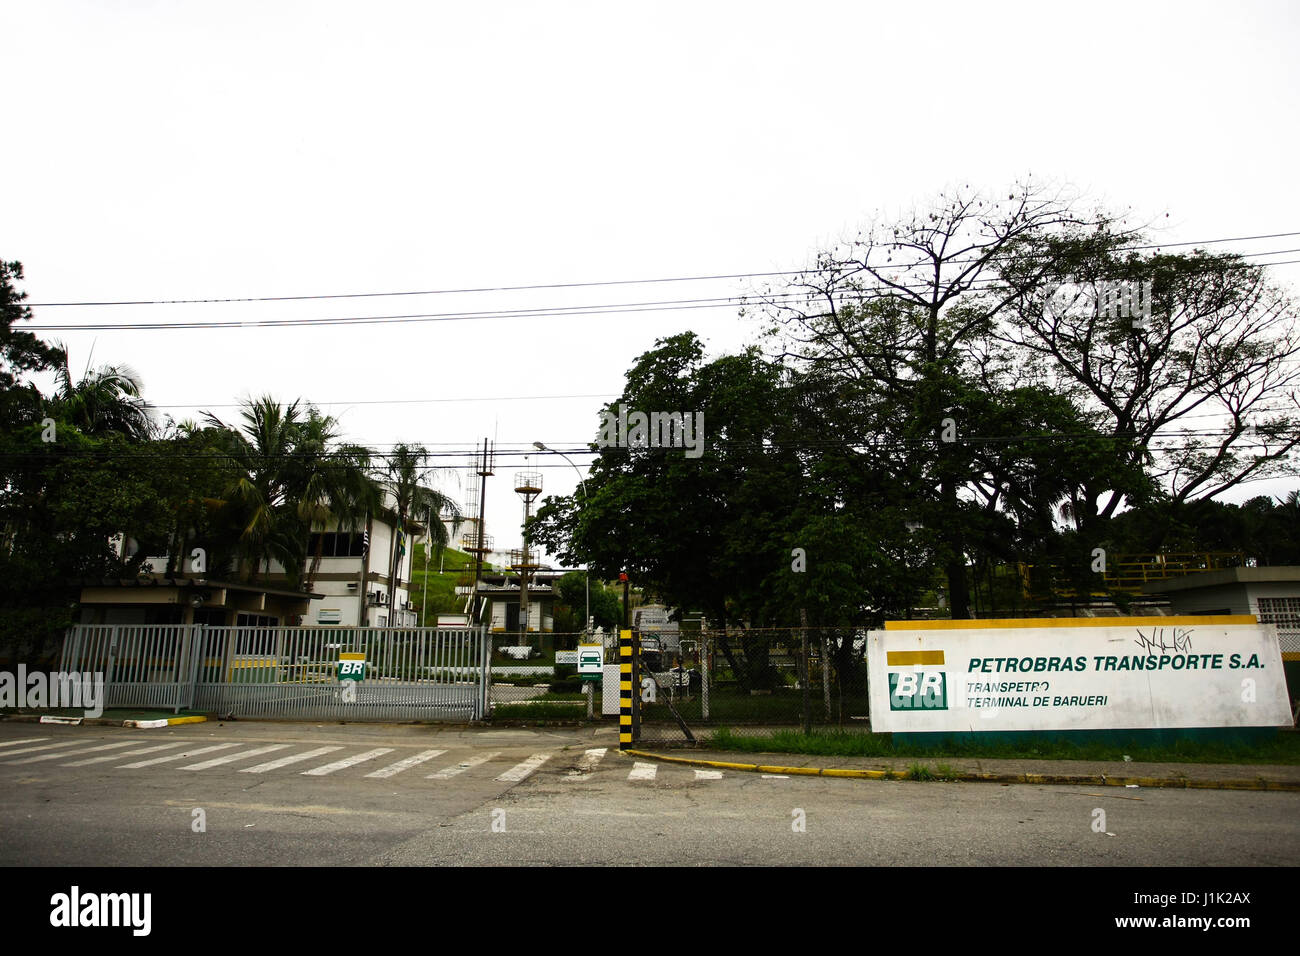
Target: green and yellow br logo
(352,667)
(917,688)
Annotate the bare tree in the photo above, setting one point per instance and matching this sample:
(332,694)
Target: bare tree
(899,311)
(1188,361)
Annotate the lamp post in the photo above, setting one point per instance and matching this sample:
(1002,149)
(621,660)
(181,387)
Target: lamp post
(586,621)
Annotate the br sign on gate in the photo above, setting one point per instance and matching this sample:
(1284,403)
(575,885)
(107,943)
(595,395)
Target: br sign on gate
(352,667)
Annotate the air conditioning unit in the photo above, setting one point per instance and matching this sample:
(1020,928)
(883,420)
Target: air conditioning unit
(383,597)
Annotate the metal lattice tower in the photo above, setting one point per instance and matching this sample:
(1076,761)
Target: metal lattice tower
(528,485)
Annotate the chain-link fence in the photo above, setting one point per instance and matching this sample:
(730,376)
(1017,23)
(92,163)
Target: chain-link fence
(750,682)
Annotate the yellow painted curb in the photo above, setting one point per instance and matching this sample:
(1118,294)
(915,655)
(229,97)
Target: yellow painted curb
(195,719)
(972,776)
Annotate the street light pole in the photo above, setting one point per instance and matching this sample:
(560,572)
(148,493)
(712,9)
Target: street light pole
(586,621)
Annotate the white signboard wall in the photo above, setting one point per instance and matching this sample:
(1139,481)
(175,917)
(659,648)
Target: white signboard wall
(1076,674)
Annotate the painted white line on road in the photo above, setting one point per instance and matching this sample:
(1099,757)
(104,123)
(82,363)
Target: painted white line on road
(26,740)
(525,769)
(231,758)
(124,753)
(32,750)
(347,762)
(643,771)
(193,753)
(448,772)
(708,774)
(286,761)
(775,776)
(74,753)
(587,764)
(407,764)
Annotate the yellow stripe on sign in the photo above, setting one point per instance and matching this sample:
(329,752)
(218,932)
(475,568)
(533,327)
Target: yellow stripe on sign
(625,668)
(1205,620)
(904,658)
(625,685)
(352,657)
(625,651)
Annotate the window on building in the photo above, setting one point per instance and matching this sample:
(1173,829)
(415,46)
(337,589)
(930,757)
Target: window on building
(337,544)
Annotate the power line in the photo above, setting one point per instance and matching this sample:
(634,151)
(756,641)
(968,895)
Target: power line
(397,401)
(666,305)
(577,285)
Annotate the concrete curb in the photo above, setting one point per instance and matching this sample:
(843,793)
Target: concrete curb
(103,721)
(1083,779)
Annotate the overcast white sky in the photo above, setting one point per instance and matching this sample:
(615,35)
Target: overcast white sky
(164,150)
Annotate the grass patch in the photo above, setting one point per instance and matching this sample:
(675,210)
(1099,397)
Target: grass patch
(1283,749)
(945,772)
(918,771)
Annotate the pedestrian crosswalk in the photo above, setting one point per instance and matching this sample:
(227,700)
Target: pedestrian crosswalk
(376,763)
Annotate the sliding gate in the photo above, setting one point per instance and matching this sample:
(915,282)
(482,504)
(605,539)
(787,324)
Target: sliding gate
(314,673)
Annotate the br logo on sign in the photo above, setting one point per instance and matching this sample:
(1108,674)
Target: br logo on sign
(918,690)
(917,687)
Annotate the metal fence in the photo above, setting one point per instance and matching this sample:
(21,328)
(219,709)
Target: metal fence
(751,682)
(288,672)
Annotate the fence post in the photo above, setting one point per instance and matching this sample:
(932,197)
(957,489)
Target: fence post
(826,672)
(805,675)
(625,690)
(705,668)
(108,663)
(485,670)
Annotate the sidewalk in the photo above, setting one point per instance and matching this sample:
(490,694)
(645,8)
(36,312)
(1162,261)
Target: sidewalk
(1077,772)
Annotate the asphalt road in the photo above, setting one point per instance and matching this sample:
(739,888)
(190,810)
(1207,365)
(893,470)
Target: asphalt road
(276,794)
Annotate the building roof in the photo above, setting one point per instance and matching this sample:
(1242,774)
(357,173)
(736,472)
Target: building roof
(1277,574)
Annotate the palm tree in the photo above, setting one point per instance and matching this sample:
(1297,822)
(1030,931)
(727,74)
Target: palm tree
(289,475)
(105,400)
(406,469)
(336,482)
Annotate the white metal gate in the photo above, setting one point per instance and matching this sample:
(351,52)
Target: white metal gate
(288,672)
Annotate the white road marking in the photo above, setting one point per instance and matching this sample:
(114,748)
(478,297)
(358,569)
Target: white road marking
(587,764)
(708,774)
(73,753)
(32,750)
(347,762)
(775,776)
(406,764)
(124,753)
(27,740)
(285,761)
(643,771)
(448,772)
(192,753)
(230,758)
(525,769)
